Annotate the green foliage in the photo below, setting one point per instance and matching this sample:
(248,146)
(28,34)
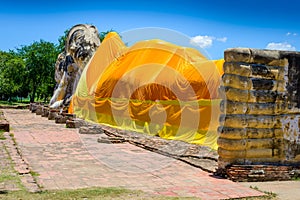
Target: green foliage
(29,70)
(14,103)
(39,58)
(12,75)
(86,193)
(62,41)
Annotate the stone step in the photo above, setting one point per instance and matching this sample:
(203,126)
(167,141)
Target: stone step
(39,110)
(62,118)
(91,129)
(76,123)
(53,113)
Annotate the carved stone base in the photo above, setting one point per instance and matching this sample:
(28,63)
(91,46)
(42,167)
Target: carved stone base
(39,110)
(75,123)
(53,114)
(59,119)
(45,112)
(63,117)
(91,130)
(32,107)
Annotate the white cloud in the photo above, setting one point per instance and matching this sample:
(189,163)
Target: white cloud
(281,46)
(223,39)
(291,34)
(205,41)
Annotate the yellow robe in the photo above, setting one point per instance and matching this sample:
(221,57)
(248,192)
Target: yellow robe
(152,87)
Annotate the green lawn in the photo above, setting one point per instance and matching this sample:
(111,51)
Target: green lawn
(97,194)
(11,103)
(87,194)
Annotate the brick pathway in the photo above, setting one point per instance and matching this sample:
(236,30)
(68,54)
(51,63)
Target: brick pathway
(65,159)
(14,171)
(6,170)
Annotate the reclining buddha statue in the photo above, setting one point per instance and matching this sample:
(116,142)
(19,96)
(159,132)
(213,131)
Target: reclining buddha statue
(153,86)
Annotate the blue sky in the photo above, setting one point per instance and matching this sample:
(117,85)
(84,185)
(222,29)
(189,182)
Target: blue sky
(213,25)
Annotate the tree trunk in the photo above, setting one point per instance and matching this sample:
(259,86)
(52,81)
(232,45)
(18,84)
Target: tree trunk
(33,94)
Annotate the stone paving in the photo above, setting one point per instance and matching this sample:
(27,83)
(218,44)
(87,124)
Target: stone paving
(285,190)
(65,159)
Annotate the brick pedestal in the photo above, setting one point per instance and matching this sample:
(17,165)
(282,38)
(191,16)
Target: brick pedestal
(261,115)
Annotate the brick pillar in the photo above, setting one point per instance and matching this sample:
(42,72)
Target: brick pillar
(261,110)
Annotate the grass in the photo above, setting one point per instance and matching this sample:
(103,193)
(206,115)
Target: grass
(297,178)
(96,193)
(34,174)
(8,174)
(269,195)
(10,103)
(2,137)
(87,193)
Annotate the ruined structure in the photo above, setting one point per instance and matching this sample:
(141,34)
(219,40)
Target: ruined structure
(259,137)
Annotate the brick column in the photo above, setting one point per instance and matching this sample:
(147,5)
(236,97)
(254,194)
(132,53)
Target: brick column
(261,115)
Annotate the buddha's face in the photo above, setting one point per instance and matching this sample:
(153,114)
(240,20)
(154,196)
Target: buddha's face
(83,41)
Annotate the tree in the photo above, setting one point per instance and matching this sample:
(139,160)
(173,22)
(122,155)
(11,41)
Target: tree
(62,41)
(29,70)
(39,58)
(12,76)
